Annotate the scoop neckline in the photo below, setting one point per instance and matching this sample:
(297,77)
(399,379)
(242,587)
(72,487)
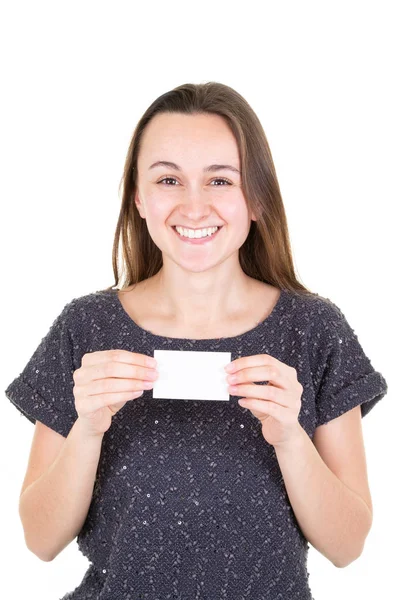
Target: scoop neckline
(280,303)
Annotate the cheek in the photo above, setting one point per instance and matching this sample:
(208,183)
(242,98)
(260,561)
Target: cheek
(158,208)
(236,212)
(232,209)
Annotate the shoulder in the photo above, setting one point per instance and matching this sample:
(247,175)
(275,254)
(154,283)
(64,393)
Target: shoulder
(315,310)
(327,331)
(83,308)
(320,323)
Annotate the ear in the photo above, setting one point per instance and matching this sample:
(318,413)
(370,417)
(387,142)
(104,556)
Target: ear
(139,205)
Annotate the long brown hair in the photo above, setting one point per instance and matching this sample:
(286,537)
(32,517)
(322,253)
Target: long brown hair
(266,254)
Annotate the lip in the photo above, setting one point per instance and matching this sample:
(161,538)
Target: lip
(199,241)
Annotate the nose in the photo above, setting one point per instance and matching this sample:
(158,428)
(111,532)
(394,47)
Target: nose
(195,208)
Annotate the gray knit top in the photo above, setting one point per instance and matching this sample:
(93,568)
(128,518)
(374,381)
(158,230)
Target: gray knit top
(189,501)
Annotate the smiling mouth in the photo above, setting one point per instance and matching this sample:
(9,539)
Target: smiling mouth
(197,240)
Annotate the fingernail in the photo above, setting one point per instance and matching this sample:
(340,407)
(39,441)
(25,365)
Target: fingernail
(230,367)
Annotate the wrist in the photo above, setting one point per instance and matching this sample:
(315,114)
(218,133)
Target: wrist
(294,442)
(85,432)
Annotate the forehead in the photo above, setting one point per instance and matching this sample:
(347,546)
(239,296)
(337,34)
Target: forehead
(179,136)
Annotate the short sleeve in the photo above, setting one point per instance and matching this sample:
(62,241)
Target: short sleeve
(348,377)
(43,391)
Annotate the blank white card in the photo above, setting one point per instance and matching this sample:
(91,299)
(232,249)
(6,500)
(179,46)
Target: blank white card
(191,375)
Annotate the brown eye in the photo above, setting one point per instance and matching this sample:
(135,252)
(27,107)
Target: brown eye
(166,178)
(224,180)
(217,179)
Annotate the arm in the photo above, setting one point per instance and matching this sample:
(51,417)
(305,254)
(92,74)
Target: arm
(54,507)
(333,518)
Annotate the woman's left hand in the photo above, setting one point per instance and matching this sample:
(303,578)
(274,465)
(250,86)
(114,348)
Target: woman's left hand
(277,404)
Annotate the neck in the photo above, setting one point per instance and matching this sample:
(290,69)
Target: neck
(195,299)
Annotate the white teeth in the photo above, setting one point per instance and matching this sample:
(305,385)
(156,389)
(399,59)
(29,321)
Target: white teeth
(199,233)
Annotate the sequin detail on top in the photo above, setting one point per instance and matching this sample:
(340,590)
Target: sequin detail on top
(189,502)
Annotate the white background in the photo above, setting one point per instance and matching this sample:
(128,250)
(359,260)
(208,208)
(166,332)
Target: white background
(323,79)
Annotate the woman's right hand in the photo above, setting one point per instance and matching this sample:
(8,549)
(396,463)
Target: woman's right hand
(106,380)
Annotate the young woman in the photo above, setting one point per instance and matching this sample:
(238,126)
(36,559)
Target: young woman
(191,499)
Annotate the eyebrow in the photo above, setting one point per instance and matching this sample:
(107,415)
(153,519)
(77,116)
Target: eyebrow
(172,165)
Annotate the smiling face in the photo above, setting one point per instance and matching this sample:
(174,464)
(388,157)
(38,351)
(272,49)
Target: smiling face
(193,190)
